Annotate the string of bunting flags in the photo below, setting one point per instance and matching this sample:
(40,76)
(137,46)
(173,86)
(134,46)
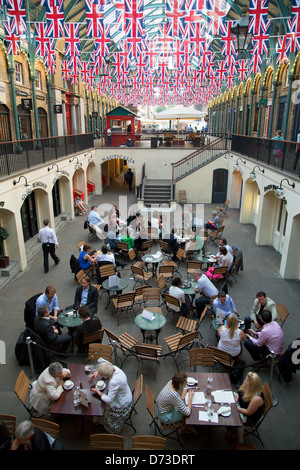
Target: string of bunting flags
(159,52)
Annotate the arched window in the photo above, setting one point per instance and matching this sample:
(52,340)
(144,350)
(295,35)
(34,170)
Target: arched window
(5,132)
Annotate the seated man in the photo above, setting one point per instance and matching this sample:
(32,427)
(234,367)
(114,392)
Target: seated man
(109,256)
(223,242)
(48,299)
(261,303)
(205,287)
(48,332)
(88,326)
(184,299)
(173,243)
(48,387)
(86,294)
(213,223)
(269,339)
(94,218)
(225,303)
(27,437)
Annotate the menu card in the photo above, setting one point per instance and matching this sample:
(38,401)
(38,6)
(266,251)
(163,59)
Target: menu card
(198,398)
(223,396)
(157,255)
(113,281)
(148,315)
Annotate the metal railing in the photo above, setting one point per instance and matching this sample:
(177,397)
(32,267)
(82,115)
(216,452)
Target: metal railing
(21,155)
(197,159)
(282,154)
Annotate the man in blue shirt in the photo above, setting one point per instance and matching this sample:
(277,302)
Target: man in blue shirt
(48,299)
(94,218)
(224,302)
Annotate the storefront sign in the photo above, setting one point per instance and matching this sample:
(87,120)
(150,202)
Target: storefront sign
(115,157)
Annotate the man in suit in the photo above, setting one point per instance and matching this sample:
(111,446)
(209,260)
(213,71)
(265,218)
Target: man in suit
(48,332)
(88,326)
(86,294)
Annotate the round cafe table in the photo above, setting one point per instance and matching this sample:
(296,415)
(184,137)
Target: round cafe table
(154,325)
(190,291)
(67,319)
(118,289)
(150,259)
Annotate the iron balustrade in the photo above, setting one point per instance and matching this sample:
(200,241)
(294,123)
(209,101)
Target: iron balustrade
(281,154)
(24,154)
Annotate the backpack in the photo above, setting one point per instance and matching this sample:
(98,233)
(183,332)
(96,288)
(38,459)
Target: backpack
(238,371)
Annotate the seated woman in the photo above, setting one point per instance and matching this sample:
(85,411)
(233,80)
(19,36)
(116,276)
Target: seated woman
(127,238)
(231,336)
(87,261)
(195,243)
(170,404)
(79,205)
(117,400)
(214,222)
(225,259)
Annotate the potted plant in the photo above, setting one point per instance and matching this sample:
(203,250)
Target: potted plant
(4,260)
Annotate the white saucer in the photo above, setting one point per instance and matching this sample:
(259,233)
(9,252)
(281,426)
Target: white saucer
(224,411)
(68,387)
(191,381)
(102,388)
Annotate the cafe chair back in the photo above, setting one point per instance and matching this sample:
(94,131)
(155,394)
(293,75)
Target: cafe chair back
(223,209)
(179,342)
(222,357)
(136,395)
(106,442)
(268,404)
(47,426)
(22,387)
(123,302)
(149,443)
(140,275)
(97,350)
(95,337)
(10,423)
(201,357)
(147,352)
(125,342)
(282,313)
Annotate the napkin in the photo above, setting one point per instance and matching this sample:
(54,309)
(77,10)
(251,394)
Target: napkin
(203,416)
(223,409)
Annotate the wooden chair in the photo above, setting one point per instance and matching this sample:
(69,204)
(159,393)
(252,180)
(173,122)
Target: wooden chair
(136,395)
(139,293)
(192,266)
(165,430)
(180,342)
(187,325)
(147,352)
(92,236)
(124,302)
(145,248)
(97,350)
(149,443)
(181,257)
(282,313)
(140,276)
(166,271)
(132,257)
(268,404)
(215,235)
(106,442)
(47,426)
(152,298)
(201,357)
(10,423)
(22,387)
(172,303)
(95,337)
(106,270)
(164,248)
(123,249)
(233,271)
(125,342)
(161,283)
(223,210)
(182,196)
(219,271)
(222,357)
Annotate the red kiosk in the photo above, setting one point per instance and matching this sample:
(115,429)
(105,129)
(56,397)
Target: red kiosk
(125,126)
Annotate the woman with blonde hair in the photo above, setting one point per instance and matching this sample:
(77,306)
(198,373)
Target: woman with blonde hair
(117,397)
(231,336)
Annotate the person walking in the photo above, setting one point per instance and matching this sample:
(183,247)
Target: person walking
(49,243)
(129,178)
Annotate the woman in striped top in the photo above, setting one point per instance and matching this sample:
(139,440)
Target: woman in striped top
(170,405)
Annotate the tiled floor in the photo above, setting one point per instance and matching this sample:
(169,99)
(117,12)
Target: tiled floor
(281,428)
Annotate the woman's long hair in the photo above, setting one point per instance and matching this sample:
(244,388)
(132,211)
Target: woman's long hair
(253,388)
(232,324)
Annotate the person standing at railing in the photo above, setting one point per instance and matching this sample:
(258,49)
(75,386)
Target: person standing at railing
(109,136)
(278,146)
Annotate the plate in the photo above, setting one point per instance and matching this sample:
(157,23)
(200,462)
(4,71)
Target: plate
(224,411)
(186,286)
(68,386)
(102,388)
(191,381)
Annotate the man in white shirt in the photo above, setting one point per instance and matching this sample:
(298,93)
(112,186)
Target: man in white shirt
(205,287)
(175,291)
(105,256)
(223,242)
(94,218)
(49,243)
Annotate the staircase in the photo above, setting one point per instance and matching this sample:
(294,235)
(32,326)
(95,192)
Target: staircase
(157,192)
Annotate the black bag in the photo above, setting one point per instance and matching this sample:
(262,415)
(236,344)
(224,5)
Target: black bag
(21,350)
(238,371)
(85,224)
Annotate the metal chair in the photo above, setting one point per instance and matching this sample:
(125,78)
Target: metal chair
(132,257)
(22,387)
(124,342)
(97,350)
(282,313)
(139,293)
(149,443)
(268,404)
(223,210)
(136,395)
(172,303)
(215,235)
(193,265)
(95,337)
(165,430)
(166,271)
(187,325)
(106,442)
(222,357)
(140,276)
(180,342)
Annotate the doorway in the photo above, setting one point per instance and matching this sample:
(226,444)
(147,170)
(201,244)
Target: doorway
(219,191)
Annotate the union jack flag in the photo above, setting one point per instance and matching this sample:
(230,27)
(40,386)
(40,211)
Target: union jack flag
(243,69)
(193,10)
(175,13)
(101,45)
(258,13)
(12,40)
(72,43)
(281,48)
(294,21)
(55,18)
(293,42)
(255,63)
(134,23)
(41,38)
(216,10)
(227,38)
(94,16)
(65,70)
(16,14)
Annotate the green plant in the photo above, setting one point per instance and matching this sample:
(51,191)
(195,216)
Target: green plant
(3,235)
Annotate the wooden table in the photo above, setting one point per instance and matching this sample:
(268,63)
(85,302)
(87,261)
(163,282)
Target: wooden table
(220,382)
(65,406)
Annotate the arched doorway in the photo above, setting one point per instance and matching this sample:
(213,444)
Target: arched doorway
(56,199)
(25,121)
(250,205)
(29,217)
(43,122)
(219,188)
(236,189)
(5,130)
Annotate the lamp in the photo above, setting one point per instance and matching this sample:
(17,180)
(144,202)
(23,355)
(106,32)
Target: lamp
(78,165)
(58,173)
(239,30)
(253,174)
(236,165)
(91,158)
(279,192)
(28,187)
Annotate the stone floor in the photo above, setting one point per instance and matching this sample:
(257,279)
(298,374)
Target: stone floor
(281,428)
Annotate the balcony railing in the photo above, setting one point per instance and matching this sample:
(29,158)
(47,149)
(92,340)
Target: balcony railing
(25,154)
(276,153)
